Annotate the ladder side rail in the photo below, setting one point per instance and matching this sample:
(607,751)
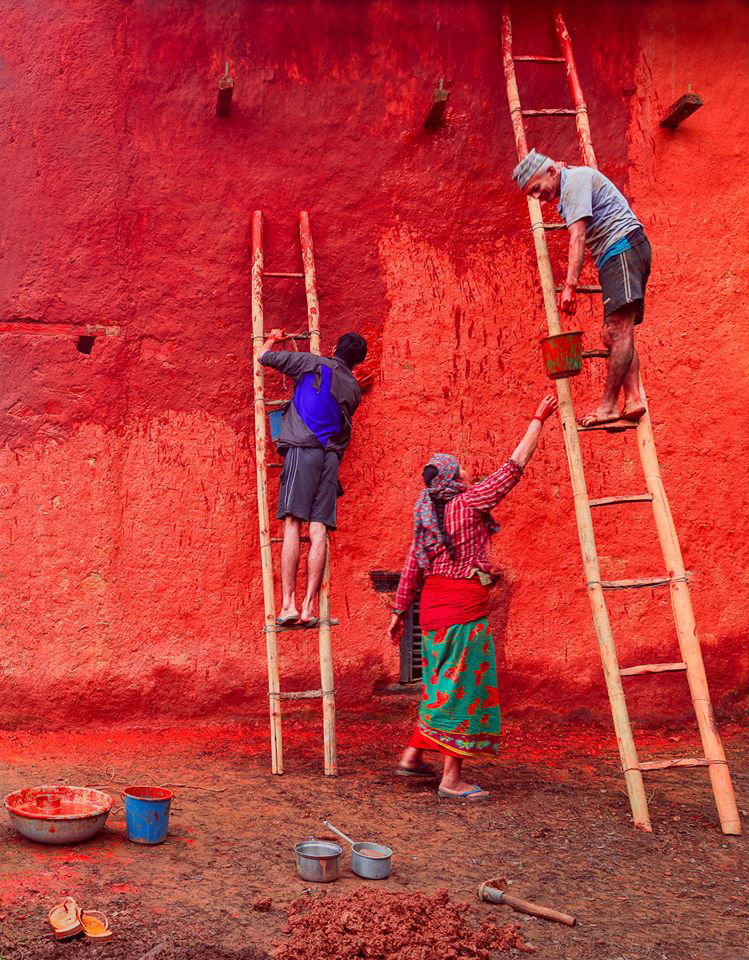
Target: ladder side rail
(266,557)
(686,630)
(576,92)
(327,680)
(622,727)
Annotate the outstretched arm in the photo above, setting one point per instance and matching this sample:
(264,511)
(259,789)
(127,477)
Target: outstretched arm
(527,446)
(273,337)
(486,494)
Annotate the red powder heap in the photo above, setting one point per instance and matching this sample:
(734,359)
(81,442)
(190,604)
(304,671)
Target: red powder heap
(396,926)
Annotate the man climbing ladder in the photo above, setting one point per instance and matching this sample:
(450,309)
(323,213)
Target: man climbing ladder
(598,216)
(674,576)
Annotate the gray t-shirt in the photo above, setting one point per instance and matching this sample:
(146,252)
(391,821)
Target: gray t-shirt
(585,192)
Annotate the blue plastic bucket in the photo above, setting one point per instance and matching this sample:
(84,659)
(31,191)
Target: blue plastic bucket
(147,813)
(274,418)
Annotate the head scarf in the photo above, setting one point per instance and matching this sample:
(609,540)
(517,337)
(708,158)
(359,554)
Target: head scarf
(445,486)
(531,164)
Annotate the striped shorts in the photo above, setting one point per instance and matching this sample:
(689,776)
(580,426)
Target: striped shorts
(624,278)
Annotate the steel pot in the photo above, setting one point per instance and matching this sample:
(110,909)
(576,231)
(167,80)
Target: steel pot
(376,866)
(318,861)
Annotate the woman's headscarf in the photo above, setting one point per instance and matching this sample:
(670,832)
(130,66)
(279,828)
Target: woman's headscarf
(445,486)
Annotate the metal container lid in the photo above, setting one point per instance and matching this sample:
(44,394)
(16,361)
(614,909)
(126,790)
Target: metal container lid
(318,849)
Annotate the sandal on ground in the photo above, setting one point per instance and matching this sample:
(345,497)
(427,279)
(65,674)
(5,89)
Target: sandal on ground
(633,410)
(423,770)
(63,918)
(475,793)
(95,924)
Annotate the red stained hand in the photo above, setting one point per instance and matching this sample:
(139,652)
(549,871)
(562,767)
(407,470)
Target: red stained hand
(277,334)
(395,628)
(567,300)
(365,381)
(545,409)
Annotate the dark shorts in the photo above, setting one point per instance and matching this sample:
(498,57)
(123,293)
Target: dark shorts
(624,278)
(309,485)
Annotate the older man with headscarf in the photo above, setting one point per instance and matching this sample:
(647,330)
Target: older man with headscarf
(459,713)
(599,217)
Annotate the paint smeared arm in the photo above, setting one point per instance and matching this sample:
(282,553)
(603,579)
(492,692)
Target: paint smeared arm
(273,337)
(575,258)
(527,446)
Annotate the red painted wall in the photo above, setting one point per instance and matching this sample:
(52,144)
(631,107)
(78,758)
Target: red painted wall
(128,529)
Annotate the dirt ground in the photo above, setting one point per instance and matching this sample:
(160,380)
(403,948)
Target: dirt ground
(557,826)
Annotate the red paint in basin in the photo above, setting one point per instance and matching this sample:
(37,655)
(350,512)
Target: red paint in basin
(58,802)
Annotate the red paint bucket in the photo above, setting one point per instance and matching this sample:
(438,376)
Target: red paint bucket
(563,354)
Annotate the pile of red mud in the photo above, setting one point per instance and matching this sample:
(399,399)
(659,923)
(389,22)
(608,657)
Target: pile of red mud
(396,926)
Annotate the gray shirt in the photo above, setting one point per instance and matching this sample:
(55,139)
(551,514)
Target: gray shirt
(586,193)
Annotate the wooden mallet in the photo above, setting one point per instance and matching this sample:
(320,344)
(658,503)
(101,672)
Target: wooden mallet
(495,891)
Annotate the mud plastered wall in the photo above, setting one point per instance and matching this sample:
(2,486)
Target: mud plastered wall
(128,528)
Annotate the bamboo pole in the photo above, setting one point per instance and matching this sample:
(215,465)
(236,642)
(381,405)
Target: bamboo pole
(686,630)
(576,91)
(326,651)
(266,557)
(622,727)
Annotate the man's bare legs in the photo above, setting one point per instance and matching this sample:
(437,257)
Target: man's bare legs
(318,547)
(624,370)
(289,565)
(452,779)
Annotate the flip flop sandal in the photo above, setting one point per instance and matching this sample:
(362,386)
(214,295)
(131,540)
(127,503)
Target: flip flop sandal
(423,770)
(475,793)
(309,623)
(598,420)
(64,920)
(287,621)
(94,924)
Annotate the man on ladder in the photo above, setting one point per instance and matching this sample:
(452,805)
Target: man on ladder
(597,215)
(315,432)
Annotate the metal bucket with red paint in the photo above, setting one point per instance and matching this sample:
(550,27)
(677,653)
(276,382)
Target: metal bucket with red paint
(563,354)
(147,813)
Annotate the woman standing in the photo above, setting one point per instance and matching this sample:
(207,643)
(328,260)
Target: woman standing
(459,712)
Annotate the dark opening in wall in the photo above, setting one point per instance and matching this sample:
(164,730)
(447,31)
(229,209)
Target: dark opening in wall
(411,645)
(86,344)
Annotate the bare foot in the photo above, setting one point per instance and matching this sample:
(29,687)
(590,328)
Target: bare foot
(599,415)
(633,410)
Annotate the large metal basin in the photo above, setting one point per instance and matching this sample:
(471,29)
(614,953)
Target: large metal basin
(58,814)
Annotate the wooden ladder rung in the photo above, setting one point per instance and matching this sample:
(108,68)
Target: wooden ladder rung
(613,426)
(276,466)
(305,626)
(665,764)
(280,539)
(608,501)
(531,59)
(586,288)
(554,226)
(550,112)
(295,275)
(635,584)
(275,403)
(652,668)
(594,354)
(299,695)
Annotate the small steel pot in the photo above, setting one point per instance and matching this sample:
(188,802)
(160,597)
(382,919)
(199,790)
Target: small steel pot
(318,861)
(371,868)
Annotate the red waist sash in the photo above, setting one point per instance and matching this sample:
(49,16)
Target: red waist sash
(445,602)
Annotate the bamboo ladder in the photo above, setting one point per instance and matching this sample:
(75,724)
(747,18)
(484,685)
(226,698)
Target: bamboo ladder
(271,628)
(675,577)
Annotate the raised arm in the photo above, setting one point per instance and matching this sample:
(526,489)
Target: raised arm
(486,494)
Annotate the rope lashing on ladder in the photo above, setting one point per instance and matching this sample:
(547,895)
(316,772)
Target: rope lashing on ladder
(330,622)
(684,579)
(301,695)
